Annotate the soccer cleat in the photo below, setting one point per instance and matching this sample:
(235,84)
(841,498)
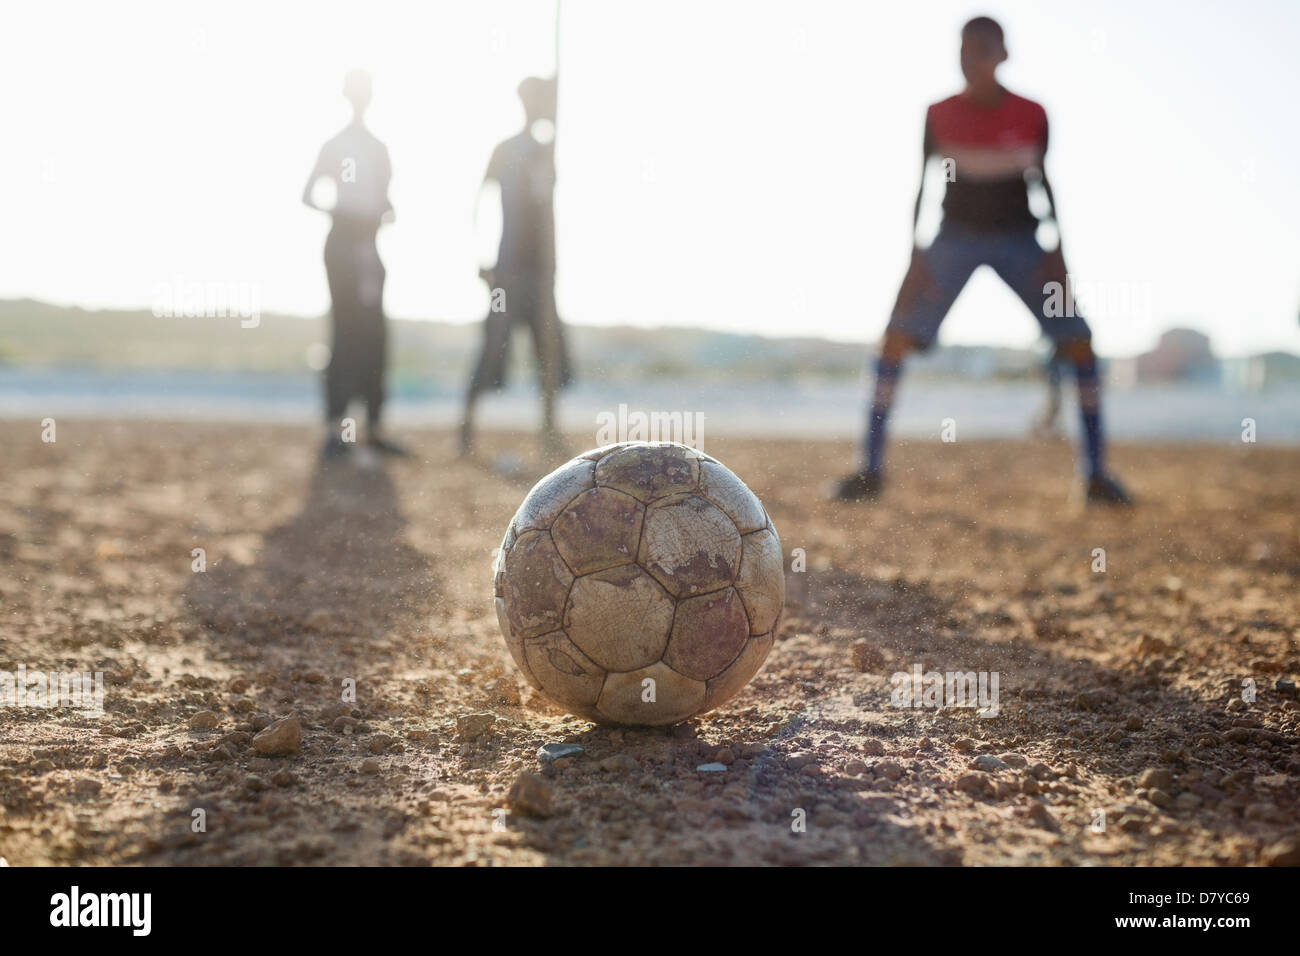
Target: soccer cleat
(1105,490)
(862,485)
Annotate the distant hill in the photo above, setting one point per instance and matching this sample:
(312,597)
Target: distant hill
(38,334)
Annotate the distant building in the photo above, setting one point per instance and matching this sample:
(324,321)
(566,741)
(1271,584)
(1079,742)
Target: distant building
(1181,355)
(1253,372)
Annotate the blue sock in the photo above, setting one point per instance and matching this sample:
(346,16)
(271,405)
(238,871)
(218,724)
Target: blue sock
(1090,414)
(887,373)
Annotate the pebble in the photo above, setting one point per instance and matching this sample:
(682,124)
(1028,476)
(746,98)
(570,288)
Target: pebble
(712,767)
(204,720)
(238,685)
(473,726)
(797,761)
(550,752)
(726,756)
(1156,778)
(254,782)
(1013,760)
(1160,798)
(379,743)
(964,743)
(873,748)
(1187,801)
(855,768)
(1283,853)
(618,763)
(283,778)
(87,786)
(282,737)
(973,783)
(370,765)
(344,725)
(888,769)
(260,721)
(988,763)
(531,795)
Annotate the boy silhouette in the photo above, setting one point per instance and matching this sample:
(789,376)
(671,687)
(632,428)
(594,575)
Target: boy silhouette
(357,163)
(523,278)
(996,141)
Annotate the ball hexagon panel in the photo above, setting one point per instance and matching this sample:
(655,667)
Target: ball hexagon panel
(689,545)
(620,617)
(598,529)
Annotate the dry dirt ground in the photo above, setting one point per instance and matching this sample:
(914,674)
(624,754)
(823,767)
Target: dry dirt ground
(1120,692)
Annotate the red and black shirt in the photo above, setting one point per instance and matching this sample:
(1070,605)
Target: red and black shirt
(991,148)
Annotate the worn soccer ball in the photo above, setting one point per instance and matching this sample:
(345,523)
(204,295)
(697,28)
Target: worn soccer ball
(640,583)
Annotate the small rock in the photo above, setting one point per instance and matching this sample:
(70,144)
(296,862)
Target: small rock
(1283,853)
(344,725)
(254,782)
(618,763)
(797,761)
(712,767)
(888,769)
(1187,801)
(204,720)
(283,778)
(1013,760)
(473,726)
(1160,798)
(1156,778)
(988,763)
(972,783)
(855,768)
(314,677)
(963,744)
(238,685)
(1134,722)
(872,747)
(87,786)
(261,721)
(282,737)
(531,795)
(379,743)
(1030,786)
(370,765)
(549,752)
(726,756)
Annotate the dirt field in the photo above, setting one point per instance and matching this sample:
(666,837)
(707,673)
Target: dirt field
(1119,691)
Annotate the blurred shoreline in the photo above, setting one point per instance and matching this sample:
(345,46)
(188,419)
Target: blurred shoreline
(826,410)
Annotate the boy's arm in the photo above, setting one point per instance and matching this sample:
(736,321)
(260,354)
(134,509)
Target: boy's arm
(927,148)
(1054,262)
(316,173)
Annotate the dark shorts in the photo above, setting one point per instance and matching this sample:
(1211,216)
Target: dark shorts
(957,251)
(529,301)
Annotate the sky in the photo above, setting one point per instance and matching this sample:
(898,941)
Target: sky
(745,166)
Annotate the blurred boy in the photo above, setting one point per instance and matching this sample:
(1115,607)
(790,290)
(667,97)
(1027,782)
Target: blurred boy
(996,142)
(523,279)
(357,163)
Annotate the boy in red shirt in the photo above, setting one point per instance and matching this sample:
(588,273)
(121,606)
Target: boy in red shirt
(994,142)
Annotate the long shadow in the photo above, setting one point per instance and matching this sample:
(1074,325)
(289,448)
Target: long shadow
(339,569)
(1081,707)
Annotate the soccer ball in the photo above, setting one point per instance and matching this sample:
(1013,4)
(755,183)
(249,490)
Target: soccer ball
(640,583)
